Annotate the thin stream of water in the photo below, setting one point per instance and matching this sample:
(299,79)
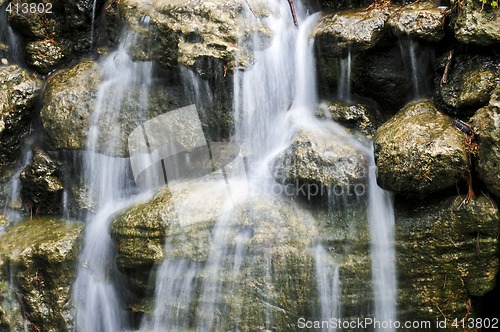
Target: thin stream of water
(96,297)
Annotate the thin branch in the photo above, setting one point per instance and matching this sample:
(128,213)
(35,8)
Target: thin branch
(294,14)
(444,79)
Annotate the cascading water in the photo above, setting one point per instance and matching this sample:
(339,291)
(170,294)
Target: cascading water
(96,298)
(344,89)
(13,53)
(274,100)
(13,200)
(92,23)
(383,256)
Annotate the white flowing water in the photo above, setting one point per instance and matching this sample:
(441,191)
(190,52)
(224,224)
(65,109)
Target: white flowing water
(381,220)
(14,52)
(344,88)
(329,287)
(92,23)
(13,204)
(96,297)
(414,69)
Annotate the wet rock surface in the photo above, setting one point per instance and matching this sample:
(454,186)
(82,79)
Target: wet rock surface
(472,25)
(45,55)
(189,31)
(70,100)
(322,162)
(56,32)
(18,96)
(470,83)
(447,252)
(42,185)
(278,235)
(419,151)
(422,20)
(357,29)
(353,116)
(486,124)
(40,256)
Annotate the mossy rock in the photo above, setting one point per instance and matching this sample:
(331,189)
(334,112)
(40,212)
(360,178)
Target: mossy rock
(19,90)
(486,124)
(355,29)
(447,253)
(419,151)
(473,25)
(470,84)
(40,256)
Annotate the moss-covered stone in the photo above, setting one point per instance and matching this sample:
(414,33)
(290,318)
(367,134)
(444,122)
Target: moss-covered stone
(470,84)
(45,55)
(419,151)
(40,256)
(56,34)
(190,31)
(42,185)
(472,25)
(70,100)
(19,91)
(354,116)
(356,29)
(447,252)
(320,161)
(420,20)
(486,123)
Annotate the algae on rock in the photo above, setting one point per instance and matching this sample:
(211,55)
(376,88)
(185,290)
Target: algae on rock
(40,256)
(419,151)
(447,252)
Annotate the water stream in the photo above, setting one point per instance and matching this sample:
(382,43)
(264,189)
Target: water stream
(95,294)
(344,89)
(13,53)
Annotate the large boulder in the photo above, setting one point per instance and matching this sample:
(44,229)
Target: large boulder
(317,165)
(40,258)
(419,151)
(247,251)
(45,55)
(472,25)
(42,186)
(486,123)
(276,237)
(447,257)
(70,99)
(355,30)
(19,91)
(470,83)
(422,20)
(190,31)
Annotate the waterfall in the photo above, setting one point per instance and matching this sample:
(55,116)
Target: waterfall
(328,283)
(344,89)
(381,220)
(92,23)
(418,61)
(95,294)
(13,202)
(14,53)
